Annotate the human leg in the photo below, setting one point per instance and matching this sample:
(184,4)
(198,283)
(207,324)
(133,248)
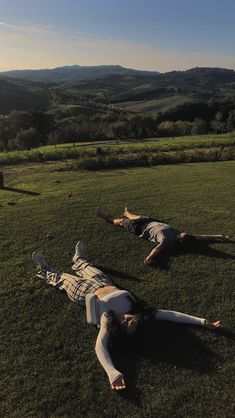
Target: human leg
(42,266)
(127,214)
(62,281)
(106,216)
(75,287)
(86,270)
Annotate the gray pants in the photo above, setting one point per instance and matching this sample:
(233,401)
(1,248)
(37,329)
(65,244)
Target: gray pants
(88,281)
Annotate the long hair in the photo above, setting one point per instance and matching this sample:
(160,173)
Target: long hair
(142,312)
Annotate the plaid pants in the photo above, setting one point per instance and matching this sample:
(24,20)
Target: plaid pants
(88,281)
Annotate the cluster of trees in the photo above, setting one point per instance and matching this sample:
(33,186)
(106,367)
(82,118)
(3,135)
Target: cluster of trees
(24,130)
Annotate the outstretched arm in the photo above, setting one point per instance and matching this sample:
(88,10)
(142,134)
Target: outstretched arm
(116,378)
(211,237)
(154,253)
(175,316)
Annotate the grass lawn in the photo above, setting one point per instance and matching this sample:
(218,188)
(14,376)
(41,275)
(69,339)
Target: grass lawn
(89,149)
(48,363)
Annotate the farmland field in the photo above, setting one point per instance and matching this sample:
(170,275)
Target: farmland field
(155,105)
(49,367)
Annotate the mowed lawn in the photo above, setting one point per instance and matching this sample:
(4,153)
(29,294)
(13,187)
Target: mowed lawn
(48,363)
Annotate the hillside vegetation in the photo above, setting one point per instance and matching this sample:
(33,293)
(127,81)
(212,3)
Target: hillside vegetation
(114,103)
(100,155)
(18,95)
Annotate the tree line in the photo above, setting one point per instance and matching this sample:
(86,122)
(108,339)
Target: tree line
(21,130)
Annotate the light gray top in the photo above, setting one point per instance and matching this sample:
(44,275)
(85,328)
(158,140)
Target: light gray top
(159,231)
(119,301)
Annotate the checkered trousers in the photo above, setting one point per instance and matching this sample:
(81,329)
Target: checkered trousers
(88,281)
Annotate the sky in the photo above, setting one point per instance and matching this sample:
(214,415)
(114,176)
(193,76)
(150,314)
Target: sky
(159,35)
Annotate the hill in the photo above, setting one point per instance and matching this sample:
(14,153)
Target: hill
(169,89)
(73,72)
(128,104)
(146,91)
(21,95)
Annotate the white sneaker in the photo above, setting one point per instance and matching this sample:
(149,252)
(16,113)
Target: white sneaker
(41,264)
(79,251)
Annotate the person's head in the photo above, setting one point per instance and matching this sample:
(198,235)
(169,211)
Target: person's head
(118,221)
(130,323)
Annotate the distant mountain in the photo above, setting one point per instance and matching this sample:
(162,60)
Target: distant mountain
(201,76)
(130,90)
(74,73)
(194,84)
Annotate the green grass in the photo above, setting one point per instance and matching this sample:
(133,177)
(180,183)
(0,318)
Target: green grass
(83,149)
(48,363)
(155,105)
(72,110)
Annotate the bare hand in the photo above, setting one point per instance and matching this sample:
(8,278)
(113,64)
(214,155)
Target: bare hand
(213,325)
(119,383)
(225,237)
(147,262)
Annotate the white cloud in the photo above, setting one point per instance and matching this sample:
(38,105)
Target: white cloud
(24,45)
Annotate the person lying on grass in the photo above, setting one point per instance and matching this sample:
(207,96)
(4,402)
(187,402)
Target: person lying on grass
(165,236)
(118,312)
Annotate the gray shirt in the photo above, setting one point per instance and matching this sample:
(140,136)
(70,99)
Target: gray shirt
(158,231)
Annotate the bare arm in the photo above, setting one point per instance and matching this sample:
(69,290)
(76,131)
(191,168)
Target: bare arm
(154,253)
(218,237)
(116,378)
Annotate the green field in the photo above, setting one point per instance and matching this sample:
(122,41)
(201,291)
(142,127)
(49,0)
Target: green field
(62,111)
(155,105)
(48,362)
(124,147)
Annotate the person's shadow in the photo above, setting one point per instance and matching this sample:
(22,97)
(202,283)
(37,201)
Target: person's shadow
(116,273)
(163,260)
(162,343)
(14,189)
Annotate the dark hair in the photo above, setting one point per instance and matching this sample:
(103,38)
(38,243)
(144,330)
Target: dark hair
(143,314)
(140,308)
(115,331)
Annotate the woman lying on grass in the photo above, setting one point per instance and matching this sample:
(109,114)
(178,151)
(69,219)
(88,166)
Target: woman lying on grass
(165,236)
(119,312)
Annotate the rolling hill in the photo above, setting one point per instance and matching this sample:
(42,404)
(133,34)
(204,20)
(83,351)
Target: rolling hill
(21,95)
(125,89)
(73,72)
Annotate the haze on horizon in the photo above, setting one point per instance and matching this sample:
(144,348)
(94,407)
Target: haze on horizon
(159,35)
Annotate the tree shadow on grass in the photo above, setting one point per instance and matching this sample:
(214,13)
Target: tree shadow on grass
(13,189)
(162,343)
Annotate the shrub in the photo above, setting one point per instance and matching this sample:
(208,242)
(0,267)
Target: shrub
(28,139)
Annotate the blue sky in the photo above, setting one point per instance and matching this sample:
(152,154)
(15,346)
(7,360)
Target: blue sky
(159,35)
